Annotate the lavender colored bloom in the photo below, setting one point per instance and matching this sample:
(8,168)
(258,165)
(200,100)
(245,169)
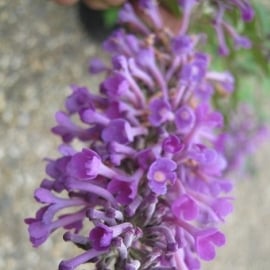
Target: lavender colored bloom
(68,130)
(185,119)
(145,158)
(38,232)
(120,131)
(172,144)
(84,165)
(91,116)
(185,207)
(78,100)
(182,45)
(194,72)
(246,9)
(57,171)
(80,259)
(160,173)
(208,118)
(123,191)
(204,91)
(160,112)
(222,207)
(101,237)
(116,87)
(127,15)
(206,242)
(96,66)
(148,173)
(150,7)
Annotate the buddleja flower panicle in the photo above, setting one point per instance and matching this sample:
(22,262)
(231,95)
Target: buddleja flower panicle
(150,177)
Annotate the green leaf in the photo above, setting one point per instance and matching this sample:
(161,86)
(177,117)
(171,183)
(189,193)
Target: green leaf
(172,6)
(261,60)
(262,14)
(110,17)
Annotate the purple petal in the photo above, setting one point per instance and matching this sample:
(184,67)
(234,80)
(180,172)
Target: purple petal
(101,237)
(84,165)
(185,207)
(185,119)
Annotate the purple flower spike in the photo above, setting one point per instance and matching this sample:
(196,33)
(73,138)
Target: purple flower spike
(160,112)
(84,165)
(206,242)
(172,144)
(160,173)
(120,131)
(185,207)
(143,160)
(101,237)
(185,119)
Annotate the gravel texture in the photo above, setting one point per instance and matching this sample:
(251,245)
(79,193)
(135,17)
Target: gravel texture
(42,51)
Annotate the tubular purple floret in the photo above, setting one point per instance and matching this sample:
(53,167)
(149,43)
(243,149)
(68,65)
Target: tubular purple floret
(133,265)
(121,247)
(150,7)
(76,239)
(140,74)
(168,234)
(94,214)
(73,263)
(131,209)
(90,116)
(128,15)
(146,58)
(121,65)
(92,188)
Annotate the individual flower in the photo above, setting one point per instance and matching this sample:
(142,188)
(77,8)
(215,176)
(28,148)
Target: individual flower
(160,173)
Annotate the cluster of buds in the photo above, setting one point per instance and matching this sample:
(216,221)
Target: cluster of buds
(148,185)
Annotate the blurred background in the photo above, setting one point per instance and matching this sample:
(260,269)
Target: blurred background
(44,49)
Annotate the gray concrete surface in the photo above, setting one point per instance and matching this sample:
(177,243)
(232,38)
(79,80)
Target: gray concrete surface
(42,51)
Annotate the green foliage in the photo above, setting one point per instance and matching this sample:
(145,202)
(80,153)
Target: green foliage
(110,17)
(257,31)
(172,6)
